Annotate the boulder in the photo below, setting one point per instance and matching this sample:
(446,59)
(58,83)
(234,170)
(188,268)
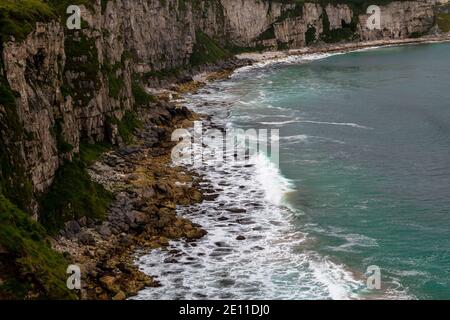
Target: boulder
(104,230)
(86,238)
(120,296)
(72,227)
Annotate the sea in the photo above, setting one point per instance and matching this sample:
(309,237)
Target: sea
(361,182)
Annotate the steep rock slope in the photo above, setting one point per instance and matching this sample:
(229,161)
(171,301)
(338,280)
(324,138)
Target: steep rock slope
(76,86)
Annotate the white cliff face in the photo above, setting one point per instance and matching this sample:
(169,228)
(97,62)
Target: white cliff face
(338,14)
(246,20)
(139,36)
(292,31)
(33,68)
(400,20)
(159,34)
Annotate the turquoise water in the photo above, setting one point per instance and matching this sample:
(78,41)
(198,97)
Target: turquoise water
(365,141)
(364,179)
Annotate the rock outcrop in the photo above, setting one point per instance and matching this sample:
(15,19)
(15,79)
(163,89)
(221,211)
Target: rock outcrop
(400,20)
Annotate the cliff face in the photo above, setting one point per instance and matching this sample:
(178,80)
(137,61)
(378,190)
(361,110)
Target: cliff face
(34,69)
(400,20)
(72,86)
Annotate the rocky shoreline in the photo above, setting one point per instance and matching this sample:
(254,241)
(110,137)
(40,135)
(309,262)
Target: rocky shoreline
(148,188)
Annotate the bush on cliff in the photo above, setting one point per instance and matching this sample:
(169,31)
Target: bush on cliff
(18,18)
(13,180)
(141,97)
(443,21)
(29,268)
(73,195)
(207,50)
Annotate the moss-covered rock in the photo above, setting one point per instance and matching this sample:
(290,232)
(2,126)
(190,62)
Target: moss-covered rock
(73,195)
(29,267)
(13,179)
(443,21)
(206,50)
(18,18)
(82,69)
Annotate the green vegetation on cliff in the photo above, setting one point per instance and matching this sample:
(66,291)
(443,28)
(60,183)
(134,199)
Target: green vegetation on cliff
(206,50)
(60,6)
(73,195)
(89,153)
(29,268)
(141,97)
(82,61)
(61,144)
(27,262)
(129,123)
(13,179)
(443,21)
(115,84)
(18,17)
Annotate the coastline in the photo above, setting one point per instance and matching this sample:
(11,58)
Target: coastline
(148,190)
(339,47)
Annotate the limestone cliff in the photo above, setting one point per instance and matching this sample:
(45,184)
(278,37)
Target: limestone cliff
(74,86)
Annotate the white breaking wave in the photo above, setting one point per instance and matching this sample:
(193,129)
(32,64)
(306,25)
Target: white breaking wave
(299,137)
(253,249)
(348,124)
(301,58)
(294,59)
(305,138)
(333,276)
(275,186)
(278,123)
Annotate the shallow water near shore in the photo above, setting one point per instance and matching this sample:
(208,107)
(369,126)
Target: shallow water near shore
(364,179)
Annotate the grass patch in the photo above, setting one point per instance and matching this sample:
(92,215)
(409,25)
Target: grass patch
(30,265)
(268,34)
(73,195)
(238,49)
(163,74)
(13,179)
(443,21)
(18,17)
(207,50)
(141,97)
(127,125)
(60,6)
(89,153)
